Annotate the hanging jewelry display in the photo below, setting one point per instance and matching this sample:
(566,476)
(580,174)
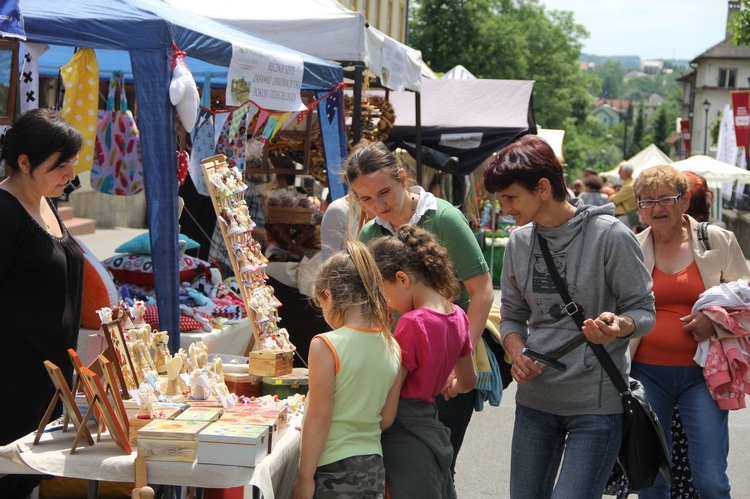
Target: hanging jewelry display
(226,188)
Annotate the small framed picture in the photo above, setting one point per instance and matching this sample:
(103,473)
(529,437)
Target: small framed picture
(8,80)
(123,363)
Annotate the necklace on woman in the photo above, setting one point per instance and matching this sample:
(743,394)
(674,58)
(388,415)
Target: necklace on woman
(414,201)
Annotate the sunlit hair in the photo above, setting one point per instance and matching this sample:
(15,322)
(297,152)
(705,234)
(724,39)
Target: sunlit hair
(40,133)
(525,162)
(415,251)
(370,157)
(353,279)
(701,197)
(650,179)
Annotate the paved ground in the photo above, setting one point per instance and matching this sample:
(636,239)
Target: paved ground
(483,466)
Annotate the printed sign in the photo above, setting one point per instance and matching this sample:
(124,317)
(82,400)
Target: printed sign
(393,65)
(685,129)
(461,140)
(740,104)
(270,79)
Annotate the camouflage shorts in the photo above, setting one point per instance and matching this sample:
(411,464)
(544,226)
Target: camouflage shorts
(360,477)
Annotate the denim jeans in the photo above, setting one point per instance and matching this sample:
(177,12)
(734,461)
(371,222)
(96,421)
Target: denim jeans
(590,443)
(706,426)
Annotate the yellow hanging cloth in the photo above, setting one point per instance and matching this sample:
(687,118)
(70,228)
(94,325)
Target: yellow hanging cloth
(80,106)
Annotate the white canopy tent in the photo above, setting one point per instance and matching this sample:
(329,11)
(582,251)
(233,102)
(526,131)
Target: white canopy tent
(458,73)
(712,169)
(555,139)
(323,28)
(646,158)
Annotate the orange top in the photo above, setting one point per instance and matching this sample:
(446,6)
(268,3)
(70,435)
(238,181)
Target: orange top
(668,344)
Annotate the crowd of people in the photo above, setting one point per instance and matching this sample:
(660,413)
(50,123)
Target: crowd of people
(406,293)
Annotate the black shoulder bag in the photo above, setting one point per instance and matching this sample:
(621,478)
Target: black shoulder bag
(643,452)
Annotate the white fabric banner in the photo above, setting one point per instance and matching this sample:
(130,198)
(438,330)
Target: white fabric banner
(270,79)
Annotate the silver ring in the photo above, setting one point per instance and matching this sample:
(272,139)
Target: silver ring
(519,372)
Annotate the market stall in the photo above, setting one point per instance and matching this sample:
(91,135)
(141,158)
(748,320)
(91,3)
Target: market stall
(329,30)
(467,119)
(146,30)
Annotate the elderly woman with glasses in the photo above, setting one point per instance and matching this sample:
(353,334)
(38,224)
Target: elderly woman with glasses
(682,267)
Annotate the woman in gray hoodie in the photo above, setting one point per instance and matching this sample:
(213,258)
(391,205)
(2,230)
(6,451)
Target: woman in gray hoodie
(568,425)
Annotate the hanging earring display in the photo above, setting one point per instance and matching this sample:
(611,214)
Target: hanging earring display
(226,186)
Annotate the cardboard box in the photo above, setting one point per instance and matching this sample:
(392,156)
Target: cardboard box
(169,440)
(232,444)
(270,363)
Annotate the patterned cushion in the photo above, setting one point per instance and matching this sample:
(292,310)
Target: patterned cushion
(99,289)
(141,245)
(151,316)
(138,269)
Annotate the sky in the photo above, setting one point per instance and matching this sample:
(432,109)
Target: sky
(651,29)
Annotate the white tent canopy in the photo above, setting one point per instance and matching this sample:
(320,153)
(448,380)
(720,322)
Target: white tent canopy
(458,73)
(713,170)
(555,139)
(646,158)
(323,28)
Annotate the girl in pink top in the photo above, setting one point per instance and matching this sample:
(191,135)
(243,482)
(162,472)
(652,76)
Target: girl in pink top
(433,334)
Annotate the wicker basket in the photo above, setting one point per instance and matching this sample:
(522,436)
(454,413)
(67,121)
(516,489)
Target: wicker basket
(289,215)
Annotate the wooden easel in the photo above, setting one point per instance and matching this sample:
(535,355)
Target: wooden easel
(78,385)
(101,402)
(62,392)
(113,391)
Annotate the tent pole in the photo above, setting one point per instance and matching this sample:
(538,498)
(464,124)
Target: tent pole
(418,137)
(357,112)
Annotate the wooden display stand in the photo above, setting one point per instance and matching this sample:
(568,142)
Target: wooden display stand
(226,189)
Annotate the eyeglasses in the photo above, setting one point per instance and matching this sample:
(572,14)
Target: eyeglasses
(650,203)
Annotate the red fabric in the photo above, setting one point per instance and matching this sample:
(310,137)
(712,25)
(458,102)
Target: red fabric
(151,317)
(675,294)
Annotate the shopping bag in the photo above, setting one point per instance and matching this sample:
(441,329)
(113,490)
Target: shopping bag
(118,168)
(643,452)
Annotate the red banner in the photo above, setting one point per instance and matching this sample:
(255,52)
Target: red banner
(685,128)
(740,105)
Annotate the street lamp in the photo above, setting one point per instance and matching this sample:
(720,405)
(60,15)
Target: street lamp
(706,107)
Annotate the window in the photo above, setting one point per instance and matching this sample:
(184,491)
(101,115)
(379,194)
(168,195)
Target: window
(728,78)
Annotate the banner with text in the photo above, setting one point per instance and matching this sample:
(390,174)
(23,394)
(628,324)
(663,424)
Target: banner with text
(685,129)
(270,79)
(740,105)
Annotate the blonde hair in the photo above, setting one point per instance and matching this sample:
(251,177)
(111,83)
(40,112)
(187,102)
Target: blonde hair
(353,279)
(652,178)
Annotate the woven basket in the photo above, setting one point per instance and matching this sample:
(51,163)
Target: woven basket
(289,215)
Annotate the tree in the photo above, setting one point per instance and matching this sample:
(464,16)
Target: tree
(661,129)
(611,74)
(514,39)
(741,24)
(639,131)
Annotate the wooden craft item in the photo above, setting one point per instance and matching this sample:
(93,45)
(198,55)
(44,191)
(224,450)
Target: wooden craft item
(108,413)
(62,392)
(141,490)
(77,365)
(126,373)
(270,363)
(112,388)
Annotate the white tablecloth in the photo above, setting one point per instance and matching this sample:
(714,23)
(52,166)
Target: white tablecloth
(231,339)
(273,477)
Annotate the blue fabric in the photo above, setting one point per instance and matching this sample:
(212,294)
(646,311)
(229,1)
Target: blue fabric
(706,426)
(590,441)
(146,29)
(335,150)
(11,24)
